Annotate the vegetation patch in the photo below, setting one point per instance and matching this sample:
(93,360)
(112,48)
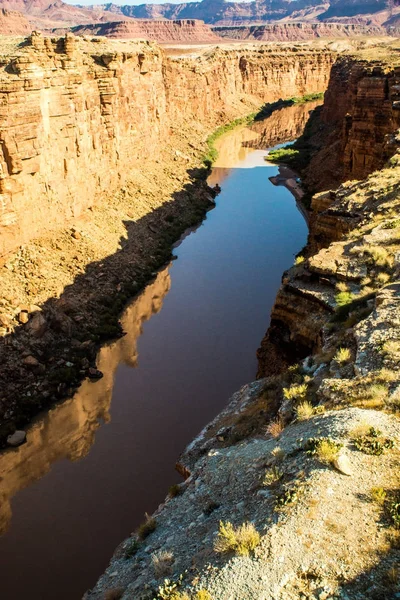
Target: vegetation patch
(241,540)
(324,449)
(373,442)
(146,528)
(287,155)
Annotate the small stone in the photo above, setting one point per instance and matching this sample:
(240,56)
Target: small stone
(95,373)
(23,317)
(37,325)
(342,464)
(17,438)
(30,361)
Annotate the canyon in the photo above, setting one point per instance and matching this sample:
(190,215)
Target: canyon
(333,346)
(102,169)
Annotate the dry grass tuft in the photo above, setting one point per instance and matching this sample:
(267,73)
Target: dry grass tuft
(378,495)
(342,356)
(146,528)
(304,411)
(241,540)
(276,427)
(162,562)
(295,392)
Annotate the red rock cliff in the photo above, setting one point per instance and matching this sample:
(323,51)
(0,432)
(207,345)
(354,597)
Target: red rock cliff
(76,116)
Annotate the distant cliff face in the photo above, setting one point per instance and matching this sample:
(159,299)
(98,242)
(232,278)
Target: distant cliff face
(13,22)
(282,32)
(77,116)
(184,30)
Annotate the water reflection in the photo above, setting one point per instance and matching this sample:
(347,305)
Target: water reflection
(71,506)
(283,125)
(68,430)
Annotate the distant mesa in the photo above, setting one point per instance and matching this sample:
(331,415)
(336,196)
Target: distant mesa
(274,20)
(182,30)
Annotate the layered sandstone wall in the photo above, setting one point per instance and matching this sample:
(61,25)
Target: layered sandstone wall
(282,32)
(357,124)
(356,134)
(76,116)
(181,30)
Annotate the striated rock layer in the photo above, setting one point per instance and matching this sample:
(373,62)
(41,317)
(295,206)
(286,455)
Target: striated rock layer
(282,32)
(183,30)
(77,117)
(357,132)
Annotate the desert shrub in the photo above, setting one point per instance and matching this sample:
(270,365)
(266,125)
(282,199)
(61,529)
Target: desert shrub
(203,595)
(382,278)
(378,495)
(344,298)
(241,540)
(169,590)
(131,548)
(342,356)
(273,475)
(287,497)
(324,449)
(373,442)
(392,224)
(395,514)
(379,256)
(287,155)
(304,411)
(162,562)
(378,391)
(295,392)
(391,347)
(175,490)
(146,528)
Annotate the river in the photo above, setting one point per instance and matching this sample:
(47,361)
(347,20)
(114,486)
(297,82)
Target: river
(93,465)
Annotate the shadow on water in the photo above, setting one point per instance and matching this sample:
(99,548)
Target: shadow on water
(66,502)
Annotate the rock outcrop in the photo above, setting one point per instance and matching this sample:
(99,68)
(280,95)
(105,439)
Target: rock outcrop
(358,133)
(73,110)
(183,30)
(283,32)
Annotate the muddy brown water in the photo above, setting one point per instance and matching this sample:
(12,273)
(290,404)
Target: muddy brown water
(93,465)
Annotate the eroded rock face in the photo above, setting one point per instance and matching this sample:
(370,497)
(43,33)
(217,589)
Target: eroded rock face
(358,122)
(182,30)
(282,32)
(77,116)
